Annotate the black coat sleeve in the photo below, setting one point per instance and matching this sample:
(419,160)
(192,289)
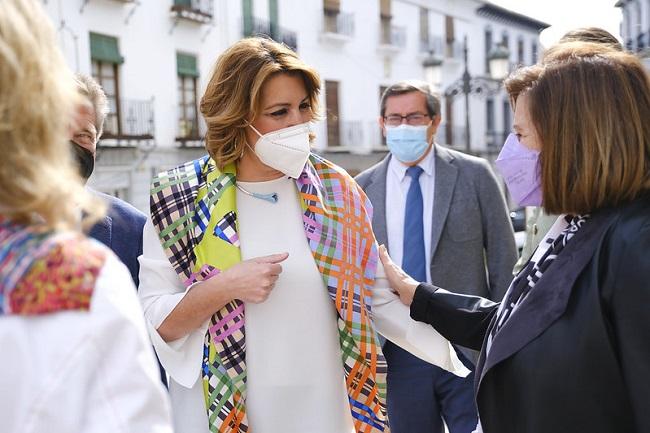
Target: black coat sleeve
(462,319)
(627,300)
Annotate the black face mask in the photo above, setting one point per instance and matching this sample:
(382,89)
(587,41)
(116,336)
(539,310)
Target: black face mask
(85,160)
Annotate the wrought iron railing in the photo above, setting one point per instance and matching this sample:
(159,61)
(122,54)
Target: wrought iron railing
(196,10)
(190,132)
(339,23)
(352,134)
(134,121)
(392,35)
(454,49)
(433,44)
(261,27)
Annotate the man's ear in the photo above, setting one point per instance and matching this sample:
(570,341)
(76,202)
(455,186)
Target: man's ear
(436,120)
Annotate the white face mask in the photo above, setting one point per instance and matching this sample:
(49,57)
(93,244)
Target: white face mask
(285,150)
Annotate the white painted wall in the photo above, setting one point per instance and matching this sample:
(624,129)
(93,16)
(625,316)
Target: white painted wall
(150,40)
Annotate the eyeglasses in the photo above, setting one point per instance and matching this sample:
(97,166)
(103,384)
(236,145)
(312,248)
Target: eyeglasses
(411,119)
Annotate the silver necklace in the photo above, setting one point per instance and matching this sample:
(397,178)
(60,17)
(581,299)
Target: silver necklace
(271,197)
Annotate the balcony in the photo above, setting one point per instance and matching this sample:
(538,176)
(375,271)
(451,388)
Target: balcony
(433,45)
(337,26)
(352,135)
(454,50)
(260,27)
(391,38)
(190,132)
(133,123)
(199,11)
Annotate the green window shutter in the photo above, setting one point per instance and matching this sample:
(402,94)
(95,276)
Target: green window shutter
(186,65)
(185,3)
(274,18)
(247,6)
(104,49)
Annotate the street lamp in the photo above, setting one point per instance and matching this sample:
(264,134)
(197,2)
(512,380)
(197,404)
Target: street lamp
(499,66)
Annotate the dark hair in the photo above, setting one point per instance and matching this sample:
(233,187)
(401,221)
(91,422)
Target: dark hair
(433,100)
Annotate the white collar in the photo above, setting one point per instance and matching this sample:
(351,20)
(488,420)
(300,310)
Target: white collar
(427,164)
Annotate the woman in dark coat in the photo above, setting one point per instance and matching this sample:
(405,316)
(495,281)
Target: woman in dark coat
(568,350)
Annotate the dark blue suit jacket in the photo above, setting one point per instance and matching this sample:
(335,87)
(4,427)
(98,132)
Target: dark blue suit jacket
(121,231)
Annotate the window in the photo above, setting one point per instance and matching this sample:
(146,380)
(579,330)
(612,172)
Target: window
(450,36)
(488,49)
(188,125)
(105,58)
(489,110)
(507,113)
(247,13)
(449,125)
(490,123)
(424,27)
(505,40)
(384,9)
(534,52)
(331,10)
(385,20)
(332,110)
(274,20)
(520,51)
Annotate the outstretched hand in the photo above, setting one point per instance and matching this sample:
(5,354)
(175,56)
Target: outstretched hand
(399,280)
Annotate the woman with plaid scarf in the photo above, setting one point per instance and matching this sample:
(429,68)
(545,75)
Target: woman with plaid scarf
(259,275)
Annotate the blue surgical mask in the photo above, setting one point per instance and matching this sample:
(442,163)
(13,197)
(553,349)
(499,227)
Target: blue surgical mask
(407,143)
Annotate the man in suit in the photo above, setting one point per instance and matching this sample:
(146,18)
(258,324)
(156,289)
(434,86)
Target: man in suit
(121,228)
(443,217)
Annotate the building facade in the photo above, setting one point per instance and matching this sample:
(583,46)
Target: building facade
(635,27)
(154,58)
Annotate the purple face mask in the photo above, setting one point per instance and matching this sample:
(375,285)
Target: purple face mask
(519,166)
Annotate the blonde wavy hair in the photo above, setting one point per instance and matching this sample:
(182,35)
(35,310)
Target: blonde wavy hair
(232,97)
(38,179)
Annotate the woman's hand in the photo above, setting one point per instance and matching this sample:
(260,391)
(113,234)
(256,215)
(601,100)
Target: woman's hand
(252,280)
(399,280)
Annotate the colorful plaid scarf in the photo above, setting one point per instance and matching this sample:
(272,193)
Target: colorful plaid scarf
(42,272)
(193,206)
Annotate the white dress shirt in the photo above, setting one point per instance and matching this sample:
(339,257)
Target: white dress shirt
(397,186)
(291,338)
(83,371)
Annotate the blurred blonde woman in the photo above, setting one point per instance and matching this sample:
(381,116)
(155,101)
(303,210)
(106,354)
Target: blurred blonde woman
(259,268)
(75,356)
